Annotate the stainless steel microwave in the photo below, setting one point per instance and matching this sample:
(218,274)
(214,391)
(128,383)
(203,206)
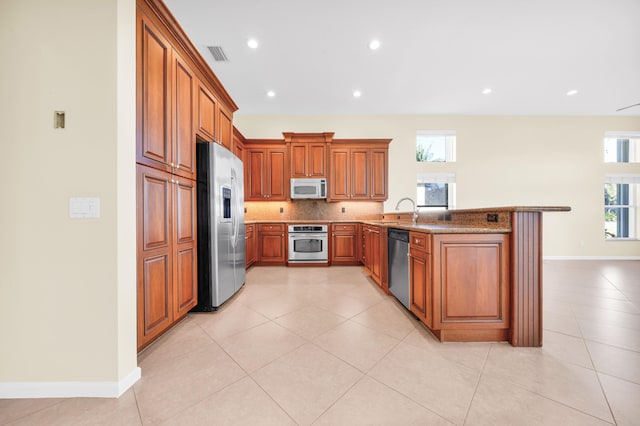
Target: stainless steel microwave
(308,188)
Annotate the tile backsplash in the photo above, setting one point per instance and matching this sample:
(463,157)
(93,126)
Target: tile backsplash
(311,210)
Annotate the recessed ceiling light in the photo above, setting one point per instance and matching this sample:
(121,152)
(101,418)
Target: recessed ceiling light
(486,91)
(374,44)
(271,93)
(357,94)
(252,43)
(571,92)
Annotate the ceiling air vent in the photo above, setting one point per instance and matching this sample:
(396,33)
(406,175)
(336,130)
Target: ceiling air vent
(218,53)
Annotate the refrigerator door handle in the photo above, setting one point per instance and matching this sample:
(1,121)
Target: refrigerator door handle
(235,224)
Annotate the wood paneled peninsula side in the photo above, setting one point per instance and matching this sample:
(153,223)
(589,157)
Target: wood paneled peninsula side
(481,273)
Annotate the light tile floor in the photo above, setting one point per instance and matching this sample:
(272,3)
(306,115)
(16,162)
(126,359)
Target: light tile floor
(325,346)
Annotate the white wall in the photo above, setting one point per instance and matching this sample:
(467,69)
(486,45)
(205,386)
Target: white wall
(501,161)
(67,291)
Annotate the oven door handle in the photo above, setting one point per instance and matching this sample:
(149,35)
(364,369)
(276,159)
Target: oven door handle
(316,235)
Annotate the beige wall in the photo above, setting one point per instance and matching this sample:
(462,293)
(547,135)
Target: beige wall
(67,286)
(501,161)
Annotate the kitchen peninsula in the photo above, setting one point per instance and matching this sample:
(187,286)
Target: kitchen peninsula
(475,274)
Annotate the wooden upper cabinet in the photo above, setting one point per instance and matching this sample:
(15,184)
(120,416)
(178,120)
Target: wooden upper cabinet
(166,102)
(308,154)
(265,174)
(238,144)
(255,170)
(153,79)
(379,174)
(214,122)
(184,153)
(225,128)
(360,178)
(340,174)
(207,106)
(308,160)
(358,170)
(278,183)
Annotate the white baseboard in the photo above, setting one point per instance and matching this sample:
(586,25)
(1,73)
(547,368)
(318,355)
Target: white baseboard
(12,390)
(591,257)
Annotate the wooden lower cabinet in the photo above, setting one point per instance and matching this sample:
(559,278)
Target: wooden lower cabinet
(166,261)
(420,295)
(344,244)
(250,244)
(272,247)
(471,287)
(372,254)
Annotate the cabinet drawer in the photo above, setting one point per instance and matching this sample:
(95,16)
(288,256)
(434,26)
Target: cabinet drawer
(271,227)
(420,241)
(249,230)
(344,227)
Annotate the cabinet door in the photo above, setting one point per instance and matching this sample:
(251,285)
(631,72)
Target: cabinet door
(339,182)
(298,159)
(316,159)
(379,173)
(359,174)
(153,135)
(473,281)
(255,171)
(344,244)
(367,254)
(238,149)
(375,255)
(207,109)
(225,127)
(278,185)
(184,242)
(155,256)
(420,278)
(272,248)
(250,245)
(184,138)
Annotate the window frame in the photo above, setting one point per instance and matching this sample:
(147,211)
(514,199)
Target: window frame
(630,205)
(633,153)
(449,148)
(437,178)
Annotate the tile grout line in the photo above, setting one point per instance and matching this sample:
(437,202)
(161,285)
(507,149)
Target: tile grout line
(595,370)
(272,399)
(475,390)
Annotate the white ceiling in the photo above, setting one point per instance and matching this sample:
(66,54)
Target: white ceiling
(436,55)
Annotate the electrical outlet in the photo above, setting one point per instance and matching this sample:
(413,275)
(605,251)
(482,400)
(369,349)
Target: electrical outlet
(281,209)
(58,119)
(343,210)
(492,217)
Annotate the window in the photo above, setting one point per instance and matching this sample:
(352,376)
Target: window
(621,194)
(436,191)
(622,147)
(436,146)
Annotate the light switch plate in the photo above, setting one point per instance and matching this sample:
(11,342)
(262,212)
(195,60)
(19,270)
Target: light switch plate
(84,208)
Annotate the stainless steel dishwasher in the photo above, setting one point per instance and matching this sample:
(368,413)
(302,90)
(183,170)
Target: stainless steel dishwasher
(399,265)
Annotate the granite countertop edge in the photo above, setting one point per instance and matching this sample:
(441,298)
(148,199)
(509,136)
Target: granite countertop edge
(419,227)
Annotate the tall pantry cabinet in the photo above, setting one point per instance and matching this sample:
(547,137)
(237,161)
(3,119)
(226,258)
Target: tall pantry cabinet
(170,74)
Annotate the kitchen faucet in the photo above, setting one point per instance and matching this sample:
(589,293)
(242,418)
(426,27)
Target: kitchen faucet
(415,208)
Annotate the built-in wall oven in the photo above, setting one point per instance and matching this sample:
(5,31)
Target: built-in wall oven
(308,244)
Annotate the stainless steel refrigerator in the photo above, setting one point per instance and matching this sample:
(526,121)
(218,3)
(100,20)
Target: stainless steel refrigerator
(221,233)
